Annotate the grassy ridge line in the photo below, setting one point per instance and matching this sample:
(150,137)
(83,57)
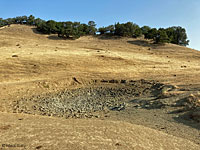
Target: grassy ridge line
(74,30)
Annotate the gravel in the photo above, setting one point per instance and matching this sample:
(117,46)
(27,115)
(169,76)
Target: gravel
(89,102)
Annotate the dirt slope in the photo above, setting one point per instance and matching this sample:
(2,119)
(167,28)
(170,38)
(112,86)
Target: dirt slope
(31,59)
(35,64)
(51,134)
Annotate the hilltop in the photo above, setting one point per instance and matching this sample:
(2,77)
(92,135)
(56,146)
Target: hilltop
(74,30)
(40,56)
(129,73)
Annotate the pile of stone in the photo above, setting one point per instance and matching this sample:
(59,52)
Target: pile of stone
(86,102)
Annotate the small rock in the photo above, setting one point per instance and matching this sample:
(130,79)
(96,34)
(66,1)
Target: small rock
(117,144)
(38,147)
(14,55)
(113,81)
(123,81)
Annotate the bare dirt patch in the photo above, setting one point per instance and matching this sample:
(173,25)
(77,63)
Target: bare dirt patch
(85,134)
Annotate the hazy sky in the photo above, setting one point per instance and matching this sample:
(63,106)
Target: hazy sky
(154,13)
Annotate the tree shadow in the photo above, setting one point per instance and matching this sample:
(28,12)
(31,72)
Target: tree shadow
(50,36)
(108,37)
(144,43)
(54,37)
(36,31)
(186,119)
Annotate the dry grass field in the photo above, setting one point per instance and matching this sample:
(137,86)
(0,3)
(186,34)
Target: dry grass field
(35,64)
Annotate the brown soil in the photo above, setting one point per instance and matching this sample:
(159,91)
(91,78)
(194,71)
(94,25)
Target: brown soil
(81,134)
(33,65)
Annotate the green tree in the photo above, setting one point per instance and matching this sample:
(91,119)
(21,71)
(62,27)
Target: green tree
(24,19)
(9,21)
(92,28)
(31,20)
(111,29)
(137,32)
(177,35)
(83,29)
(128,29)
(51,26)
(152,34)
(20,20)
(119,29)
(145,30)
(1,22)
(42,27)
(69,30)
(38,22)
(161,37)
(102,30)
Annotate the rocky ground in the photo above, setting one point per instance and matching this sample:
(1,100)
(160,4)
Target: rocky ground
(163,107)
(113,95)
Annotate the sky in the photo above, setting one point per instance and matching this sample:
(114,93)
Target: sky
(154,13)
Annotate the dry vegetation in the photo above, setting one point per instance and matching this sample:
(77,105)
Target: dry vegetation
(35,64)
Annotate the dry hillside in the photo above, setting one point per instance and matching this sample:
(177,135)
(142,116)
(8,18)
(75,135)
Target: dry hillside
(43,58)
(32,64)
